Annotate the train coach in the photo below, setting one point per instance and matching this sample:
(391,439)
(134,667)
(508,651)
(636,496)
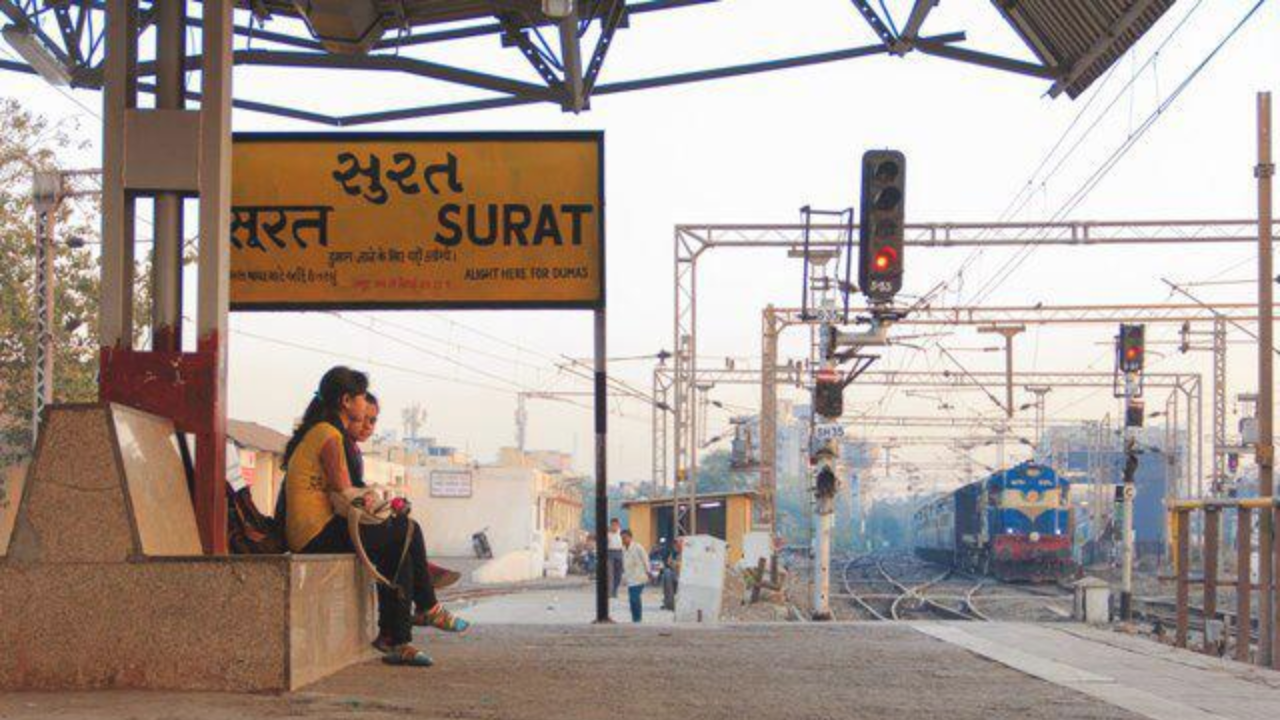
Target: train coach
(1014,525)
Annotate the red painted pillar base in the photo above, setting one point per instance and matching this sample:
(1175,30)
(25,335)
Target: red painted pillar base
(182,387)
(210,491)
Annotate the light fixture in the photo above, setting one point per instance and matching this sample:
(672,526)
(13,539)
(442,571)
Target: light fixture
(557,9)
(22,38)
(343,27)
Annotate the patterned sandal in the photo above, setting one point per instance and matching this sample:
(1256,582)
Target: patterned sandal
(407,655)
(441,619)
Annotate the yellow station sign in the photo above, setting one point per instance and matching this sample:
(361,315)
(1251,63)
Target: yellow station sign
(323,221)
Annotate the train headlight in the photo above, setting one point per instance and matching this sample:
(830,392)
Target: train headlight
(1035,537)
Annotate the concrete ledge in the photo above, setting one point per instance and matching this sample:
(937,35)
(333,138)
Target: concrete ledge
(103,585)
(228,624)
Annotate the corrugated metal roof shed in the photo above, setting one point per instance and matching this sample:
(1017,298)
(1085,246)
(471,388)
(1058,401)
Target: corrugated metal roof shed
(1080,39)
(257,437)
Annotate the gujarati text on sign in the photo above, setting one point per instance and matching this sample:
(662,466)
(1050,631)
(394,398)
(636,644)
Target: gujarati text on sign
(421,220)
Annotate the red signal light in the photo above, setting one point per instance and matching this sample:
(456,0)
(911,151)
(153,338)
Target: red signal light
(1132,353)
(885,259)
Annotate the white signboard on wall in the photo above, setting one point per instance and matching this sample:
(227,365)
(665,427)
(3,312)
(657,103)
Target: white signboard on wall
(451,483)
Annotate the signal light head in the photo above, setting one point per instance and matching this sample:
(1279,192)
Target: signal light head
(1130,347)
(885,259)
(888,198)
(880,259)
(887,171)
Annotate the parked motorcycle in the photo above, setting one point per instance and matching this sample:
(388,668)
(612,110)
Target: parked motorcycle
(480,544)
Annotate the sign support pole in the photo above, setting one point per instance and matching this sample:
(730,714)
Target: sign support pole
(1265,448)
(602,469)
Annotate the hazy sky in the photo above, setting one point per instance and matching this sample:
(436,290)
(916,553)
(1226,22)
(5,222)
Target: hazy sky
(755,149)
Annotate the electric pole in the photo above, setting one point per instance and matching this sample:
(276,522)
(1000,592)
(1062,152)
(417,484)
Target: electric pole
(49,188)
(46,196)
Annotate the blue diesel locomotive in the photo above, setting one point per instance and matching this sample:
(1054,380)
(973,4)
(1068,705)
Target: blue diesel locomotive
(1014,525)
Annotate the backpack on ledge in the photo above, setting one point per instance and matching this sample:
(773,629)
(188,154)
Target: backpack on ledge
(249,532)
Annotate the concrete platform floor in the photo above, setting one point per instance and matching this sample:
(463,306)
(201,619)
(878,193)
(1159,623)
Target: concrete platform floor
(873,671)
(1156,681)
(559,606)
(882,671)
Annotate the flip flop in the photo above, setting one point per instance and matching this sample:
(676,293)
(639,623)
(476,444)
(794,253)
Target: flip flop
(409,656)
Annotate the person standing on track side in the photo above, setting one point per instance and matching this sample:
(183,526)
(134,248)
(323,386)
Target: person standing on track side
(635,562)
(614,565)
(670,572)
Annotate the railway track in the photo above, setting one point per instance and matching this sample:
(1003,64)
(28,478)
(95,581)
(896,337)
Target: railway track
(902,587)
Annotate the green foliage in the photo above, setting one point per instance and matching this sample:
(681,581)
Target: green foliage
(715,475)
(28,141)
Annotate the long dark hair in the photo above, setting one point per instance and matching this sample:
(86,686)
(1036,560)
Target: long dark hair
(326,404)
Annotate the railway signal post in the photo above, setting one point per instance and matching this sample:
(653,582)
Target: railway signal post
(1130,349)
(828,404)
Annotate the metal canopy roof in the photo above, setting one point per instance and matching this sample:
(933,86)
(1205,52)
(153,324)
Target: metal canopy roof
(411,13)
(1080,39)
(560,47)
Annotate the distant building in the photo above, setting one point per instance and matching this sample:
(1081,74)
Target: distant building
(722,515)
(551,461)
(518,508)
(1079,451)
(261,456)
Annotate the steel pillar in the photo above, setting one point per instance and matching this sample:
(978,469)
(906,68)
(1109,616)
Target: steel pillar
(119,97)
(685,446)
(769,421)
(166,261)
(661,429)
(189,388)
(215,264)
(1265,448)
(1008,332)
(1219,471)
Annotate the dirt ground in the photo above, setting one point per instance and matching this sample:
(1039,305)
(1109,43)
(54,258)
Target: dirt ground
(793,670)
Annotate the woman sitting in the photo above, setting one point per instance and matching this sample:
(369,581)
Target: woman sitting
(316,466)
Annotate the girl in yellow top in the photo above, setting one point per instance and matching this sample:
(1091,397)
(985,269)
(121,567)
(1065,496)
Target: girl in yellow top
(316,465)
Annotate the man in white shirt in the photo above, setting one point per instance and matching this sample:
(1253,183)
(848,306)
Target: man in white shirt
(614,566)
(635,563)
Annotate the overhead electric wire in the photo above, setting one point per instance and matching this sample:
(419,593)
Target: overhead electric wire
(1006,271)
(371,363)
(471,349)
(407,370)
(469,367)
(1026,192)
